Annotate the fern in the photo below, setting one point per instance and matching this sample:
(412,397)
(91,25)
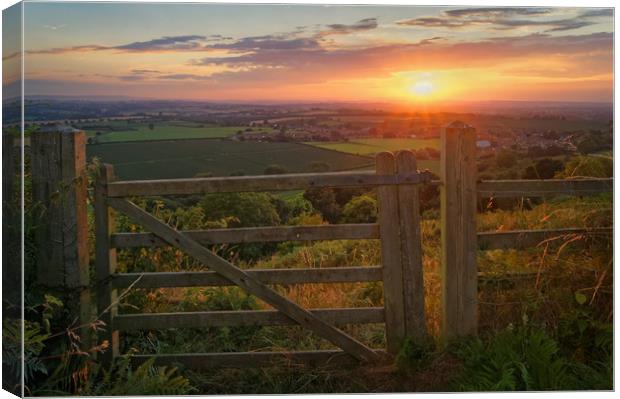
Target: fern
(146,379)
(33,339)
(524,359)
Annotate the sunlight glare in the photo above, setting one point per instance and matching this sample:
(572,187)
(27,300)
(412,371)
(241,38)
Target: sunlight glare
(422,88)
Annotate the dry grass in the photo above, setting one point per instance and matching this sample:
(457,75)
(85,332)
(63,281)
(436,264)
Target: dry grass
(553,272)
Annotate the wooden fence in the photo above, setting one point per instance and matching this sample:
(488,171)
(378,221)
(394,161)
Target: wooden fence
(397,181)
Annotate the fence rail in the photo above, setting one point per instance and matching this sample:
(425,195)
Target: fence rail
(398,228)
(256,234)
(237,318)
(267,276)
(296,181)
(543,188)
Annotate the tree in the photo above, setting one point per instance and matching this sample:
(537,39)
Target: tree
(599,166)
(595,141)
(545,168)
(242,210)
(362,209)
(324,201)
(505,158)
(248,209)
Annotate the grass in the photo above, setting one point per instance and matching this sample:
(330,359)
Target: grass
(161,159)
(556,273)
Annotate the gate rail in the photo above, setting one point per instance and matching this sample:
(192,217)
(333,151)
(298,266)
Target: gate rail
(397,180)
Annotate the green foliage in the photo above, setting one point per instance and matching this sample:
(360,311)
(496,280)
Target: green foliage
(545,168)
(595,141)
(590,166)
(146,379)
(249,209)
(34,343)
(324,200)
(330,202)
(505,158)
(362,209)
(522,359)
(414,354)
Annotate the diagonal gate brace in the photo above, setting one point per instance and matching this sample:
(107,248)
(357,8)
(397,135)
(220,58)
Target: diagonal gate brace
(246,281)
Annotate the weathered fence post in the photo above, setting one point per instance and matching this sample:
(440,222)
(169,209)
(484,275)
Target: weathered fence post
(58,165)
(11,228)
(105,261)
(387,197)
(411,249)
(458,231)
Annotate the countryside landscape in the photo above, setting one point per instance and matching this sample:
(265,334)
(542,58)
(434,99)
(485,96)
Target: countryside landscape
(214,213)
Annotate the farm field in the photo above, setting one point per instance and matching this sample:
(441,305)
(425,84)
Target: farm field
(373,146)
(369,147)
(160,159)
(121,131)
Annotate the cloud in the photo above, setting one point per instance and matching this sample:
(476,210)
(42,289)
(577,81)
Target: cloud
(186,42)
(144,71)
(183,76)
(504,12)
(321,65)
(165,43)
(341,29)
(54,27)
(267,43)
(504,19)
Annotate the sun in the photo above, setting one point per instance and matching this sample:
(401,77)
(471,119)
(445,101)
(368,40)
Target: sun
(422,88)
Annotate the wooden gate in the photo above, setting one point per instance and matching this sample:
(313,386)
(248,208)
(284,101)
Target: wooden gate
(396,180)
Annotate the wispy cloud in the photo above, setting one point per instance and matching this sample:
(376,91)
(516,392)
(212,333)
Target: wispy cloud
(300,65)
(507,18)
(267,43)
(54,27)
(496,12)
(342,29)
(187,42)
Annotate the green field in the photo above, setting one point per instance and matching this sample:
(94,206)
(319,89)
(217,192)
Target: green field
(374,146)
(185,158)
(123,131)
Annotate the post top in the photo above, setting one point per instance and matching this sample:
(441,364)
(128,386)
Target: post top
(58,128)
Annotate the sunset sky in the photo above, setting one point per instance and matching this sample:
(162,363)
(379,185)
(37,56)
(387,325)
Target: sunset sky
(316,53)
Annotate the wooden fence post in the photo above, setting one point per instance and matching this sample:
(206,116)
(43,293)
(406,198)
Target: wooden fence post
(458,231)
(387,197)
(105,262)
(411,248)
(58,165)
(11,228)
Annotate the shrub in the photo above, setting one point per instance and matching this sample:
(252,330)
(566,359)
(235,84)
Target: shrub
(362,209)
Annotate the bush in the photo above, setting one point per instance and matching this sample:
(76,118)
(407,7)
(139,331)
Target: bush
(362,209)
(505,159)
(590,166)
(545,168)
